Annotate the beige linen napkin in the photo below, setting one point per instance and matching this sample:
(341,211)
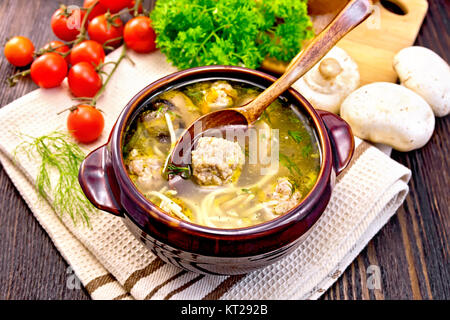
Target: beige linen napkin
(112,264)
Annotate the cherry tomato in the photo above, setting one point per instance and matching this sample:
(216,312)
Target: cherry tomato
(85,123)
(84,81)
(115,5)
(66,23)
(139,35)
(58,46)
(102,30)
(96,11)
(49,70)
(88,51)
(19,51)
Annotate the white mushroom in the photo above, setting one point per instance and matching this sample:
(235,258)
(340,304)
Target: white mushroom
(183,105)
(427,74)
(390,114)
(327,84)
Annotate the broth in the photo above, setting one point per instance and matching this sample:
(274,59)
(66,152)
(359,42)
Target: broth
(281,158)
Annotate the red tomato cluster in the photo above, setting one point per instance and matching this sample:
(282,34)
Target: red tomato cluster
(96,11)
(58,47)
(49,70)
(103,31)
(66,23)
(115,5)
(83,80)
(139,35)
(85,123)
(19,51)
(81,53)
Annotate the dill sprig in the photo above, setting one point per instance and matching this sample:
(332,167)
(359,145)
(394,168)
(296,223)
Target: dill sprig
(291,165)
(56,152)
(297,136)
(184,172)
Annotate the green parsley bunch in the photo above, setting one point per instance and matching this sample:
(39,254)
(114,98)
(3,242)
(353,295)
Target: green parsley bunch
(195,33)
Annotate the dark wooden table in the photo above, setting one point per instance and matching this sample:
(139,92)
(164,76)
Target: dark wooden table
(411,251)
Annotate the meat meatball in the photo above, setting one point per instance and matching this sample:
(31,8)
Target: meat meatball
(216,161)
(285,197)
(148,172)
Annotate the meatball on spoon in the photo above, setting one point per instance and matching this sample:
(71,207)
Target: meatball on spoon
(351,16)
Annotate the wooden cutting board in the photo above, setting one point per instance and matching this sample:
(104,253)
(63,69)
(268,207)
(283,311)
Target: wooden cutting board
(375,42)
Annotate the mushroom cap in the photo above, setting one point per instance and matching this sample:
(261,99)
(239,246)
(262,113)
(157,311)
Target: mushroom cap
(327,84)
(391,114)
(427,74)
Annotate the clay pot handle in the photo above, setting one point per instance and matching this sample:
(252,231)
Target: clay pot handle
(94,177)
(341,138)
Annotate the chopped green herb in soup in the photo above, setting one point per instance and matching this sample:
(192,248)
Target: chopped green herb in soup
(231,183)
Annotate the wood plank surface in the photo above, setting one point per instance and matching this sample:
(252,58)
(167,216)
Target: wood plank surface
(411,251)
(375,42)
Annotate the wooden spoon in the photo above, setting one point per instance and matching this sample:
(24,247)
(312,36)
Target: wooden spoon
(355,12)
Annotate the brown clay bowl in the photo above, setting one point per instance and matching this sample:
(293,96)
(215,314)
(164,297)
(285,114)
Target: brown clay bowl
(105,182)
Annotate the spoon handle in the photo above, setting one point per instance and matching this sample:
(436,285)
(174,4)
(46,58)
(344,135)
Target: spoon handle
(351,16)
